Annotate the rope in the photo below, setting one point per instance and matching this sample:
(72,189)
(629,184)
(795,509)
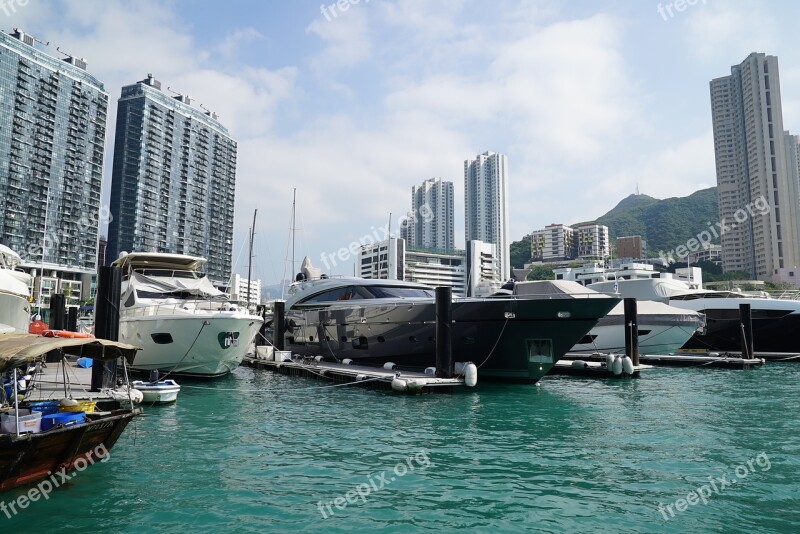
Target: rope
(287,389)
(205,323)
(495,344)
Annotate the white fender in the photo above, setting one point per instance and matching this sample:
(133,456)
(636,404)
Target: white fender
(471,375)
(347,361)
(616,367)
(416,384)
(399,385)
(430,371)
(627,365)
(389,366)
(609,361)
(579,364)
(317,358)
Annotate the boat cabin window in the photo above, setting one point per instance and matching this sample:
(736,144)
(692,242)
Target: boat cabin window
(368,292)
(182,295)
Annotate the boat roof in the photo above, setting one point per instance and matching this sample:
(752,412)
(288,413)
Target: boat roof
(306,288)
(5,251)
(159,260)
(17,349)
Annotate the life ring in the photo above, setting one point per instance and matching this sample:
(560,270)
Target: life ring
(66,334)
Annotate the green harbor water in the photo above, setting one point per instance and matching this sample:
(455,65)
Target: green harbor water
(261,452)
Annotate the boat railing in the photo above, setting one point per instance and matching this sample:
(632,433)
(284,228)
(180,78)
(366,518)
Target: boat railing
(182,307)
(543,296)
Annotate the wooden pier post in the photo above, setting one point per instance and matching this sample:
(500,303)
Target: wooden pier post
(106,323)
(444,341)
(746,328)
(631,330)
(279,325)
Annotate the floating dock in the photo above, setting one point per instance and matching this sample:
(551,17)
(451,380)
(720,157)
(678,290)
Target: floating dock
(592,369)
(720,361)
(376,377)
(48,384)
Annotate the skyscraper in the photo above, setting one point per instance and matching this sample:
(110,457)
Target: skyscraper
(174,179)
(430,223)
(753,169)
(486,204)
(52,135)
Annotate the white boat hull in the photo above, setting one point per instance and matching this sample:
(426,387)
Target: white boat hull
(200,345)
(661,339)
(159,393)
(15,312)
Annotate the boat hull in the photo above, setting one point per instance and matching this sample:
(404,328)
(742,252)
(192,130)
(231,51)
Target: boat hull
(775,324)
(15,311)
(509,339)
(162,393)
(31,458)
(197,345)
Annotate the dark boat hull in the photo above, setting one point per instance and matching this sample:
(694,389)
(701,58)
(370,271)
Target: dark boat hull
(31,458)
(771,335)
(509,339)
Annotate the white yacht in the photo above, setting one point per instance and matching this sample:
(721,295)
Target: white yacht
(662,328)
(15,308)
(181,322)
(775,321)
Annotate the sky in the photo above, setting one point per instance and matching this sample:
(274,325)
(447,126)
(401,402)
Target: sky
(352,104)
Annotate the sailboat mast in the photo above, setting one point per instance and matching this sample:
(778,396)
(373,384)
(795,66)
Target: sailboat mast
(294,214)
(44,251)
(250,257)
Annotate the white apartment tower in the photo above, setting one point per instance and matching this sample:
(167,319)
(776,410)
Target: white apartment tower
(486,204)
(430,223)
(753,166)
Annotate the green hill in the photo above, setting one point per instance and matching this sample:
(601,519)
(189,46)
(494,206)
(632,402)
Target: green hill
(664,224)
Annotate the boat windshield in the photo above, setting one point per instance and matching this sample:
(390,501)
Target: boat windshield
(368,292)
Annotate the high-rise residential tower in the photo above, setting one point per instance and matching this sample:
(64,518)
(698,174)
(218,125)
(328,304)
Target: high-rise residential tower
(430,223)
(486,204)
(174,179)
(757,202)
(52,135)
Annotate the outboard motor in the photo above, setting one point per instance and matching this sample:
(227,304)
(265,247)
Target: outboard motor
(153,376)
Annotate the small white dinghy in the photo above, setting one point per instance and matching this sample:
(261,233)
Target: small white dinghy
(157,391)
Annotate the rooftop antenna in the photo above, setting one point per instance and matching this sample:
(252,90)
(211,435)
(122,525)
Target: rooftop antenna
(390,225)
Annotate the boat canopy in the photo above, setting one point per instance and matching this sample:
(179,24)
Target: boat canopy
(166,285)
(18,349)
(555,289)
(158,260)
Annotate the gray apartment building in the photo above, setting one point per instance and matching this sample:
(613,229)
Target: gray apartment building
(52,135)
(173,179)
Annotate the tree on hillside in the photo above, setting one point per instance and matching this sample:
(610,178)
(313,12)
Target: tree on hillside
(541,272)
(520,252)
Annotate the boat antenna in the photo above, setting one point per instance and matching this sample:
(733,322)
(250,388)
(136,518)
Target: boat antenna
(250,257)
